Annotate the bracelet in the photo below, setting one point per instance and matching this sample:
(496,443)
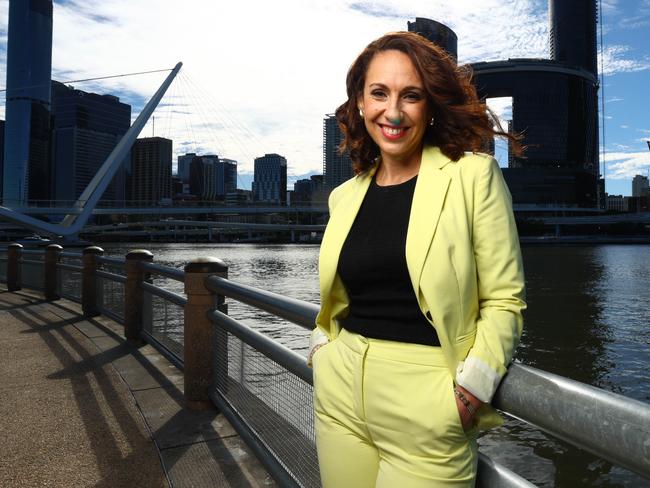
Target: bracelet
(313,351)
(470,408)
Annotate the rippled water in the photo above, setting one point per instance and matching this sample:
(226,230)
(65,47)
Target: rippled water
(588,319)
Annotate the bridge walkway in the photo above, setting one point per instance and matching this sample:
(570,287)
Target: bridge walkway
(81,407)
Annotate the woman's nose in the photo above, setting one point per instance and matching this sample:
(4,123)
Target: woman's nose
(393,113)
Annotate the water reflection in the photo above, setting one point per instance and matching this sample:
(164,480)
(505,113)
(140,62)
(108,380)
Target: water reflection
(579,309)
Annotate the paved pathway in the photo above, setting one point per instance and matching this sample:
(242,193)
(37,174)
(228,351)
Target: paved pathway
(80,407)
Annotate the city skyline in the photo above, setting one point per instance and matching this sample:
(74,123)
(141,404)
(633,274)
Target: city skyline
(282,69)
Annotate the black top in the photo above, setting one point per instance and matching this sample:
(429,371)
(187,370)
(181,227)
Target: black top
(372,266)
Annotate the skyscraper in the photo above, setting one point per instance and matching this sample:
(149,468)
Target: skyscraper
(226,176)
(640,186)
(555,107)
(26,172)
(87,127)
(183,170)
(270,179)
(202,177)
(337,167)
(151,170)
(437,33)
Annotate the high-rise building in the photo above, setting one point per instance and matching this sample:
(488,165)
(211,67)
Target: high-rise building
(572,33)
(640,186)
(270,179)
(226,176)
(438,33)
(308,191)
(203,178)
(555,107)
(87,127)
(151,170)
(337,167)
(221,171)
(27,171)
(183,170)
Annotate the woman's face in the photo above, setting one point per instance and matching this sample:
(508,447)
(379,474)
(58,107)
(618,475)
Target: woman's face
(395,107)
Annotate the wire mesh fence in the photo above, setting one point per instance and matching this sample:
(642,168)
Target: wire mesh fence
(111,299)
(69,280)
(275,404)
(163,320)
(31,272)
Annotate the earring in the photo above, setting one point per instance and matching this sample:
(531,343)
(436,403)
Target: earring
(361,112)
(433,119)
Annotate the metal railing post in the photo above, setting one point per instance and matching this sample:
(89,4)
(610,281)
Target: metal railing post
(50,271)
(14,251)
(198,357)
(134,295)
(89,285)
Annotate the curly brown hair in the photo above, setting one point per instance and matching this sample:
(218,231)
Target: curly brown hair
(462,121)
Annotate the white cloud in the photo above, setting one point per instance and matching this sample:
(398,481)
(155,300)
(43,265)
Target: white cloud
(625,165)
(616,60)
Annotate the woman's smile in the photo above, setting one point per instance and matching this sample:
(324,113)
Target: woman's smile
(393,133)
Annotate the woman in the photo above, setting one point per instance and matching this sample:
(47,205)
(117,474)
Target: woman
(421,278)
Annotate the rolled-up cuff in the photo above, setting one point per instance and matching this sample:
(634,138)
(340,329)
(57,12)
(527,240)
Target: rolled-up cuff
(478,378)
(317,339)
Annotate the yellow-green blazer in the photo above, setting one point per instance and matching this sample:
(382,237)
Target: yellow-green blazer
(463,257)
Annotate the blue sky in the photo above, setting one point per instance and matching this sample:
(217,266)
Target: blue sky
(259,76)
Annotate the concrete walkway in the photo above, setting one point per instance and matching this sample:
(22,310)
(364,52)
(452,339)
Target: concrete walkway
(80,407)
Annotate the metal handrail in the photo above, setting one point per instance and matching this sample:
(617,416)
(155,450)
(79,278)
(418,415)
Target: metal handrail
(111,276)
(31,252)
(285,357)
(69,267)
(70,254)
(610,426)
(111,262)
(166,271)
(175,298)
(31,261)
(297,311)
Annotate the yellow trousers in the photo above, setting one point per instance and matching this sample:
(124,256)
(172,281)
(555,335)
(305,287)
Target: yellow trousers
(386,417)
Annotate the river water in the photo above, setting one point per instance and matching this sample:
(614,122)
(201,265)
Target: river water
(588,319)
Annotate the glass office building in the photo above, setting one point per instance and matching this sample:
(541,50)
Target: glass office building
(27,172)
(87,127)
(337,167)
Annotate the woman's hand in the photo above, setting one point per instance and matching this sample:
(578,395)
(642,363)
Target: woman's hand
(466,412)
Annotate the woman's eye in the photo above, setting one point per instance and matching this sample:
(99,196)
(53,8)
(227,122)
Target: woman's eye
(413,96)
(378,94)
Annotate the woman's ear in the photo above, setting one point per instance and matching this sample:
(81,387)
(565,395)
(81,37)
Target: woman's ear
(360,105)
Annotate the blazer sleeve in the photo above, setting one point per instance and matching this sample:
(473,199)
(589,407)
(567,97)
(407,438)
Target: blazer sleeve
(501,292)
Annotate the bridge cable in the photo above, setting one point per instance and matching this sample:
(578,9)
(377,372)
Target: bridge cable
(94,79)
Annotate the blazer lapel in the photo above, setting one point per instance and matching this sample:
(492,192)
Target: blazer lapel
(429,196)
(338,227)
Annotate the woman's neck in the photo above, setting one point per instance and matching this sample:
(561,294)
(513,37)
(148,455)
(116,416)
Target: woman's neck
(392,172)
